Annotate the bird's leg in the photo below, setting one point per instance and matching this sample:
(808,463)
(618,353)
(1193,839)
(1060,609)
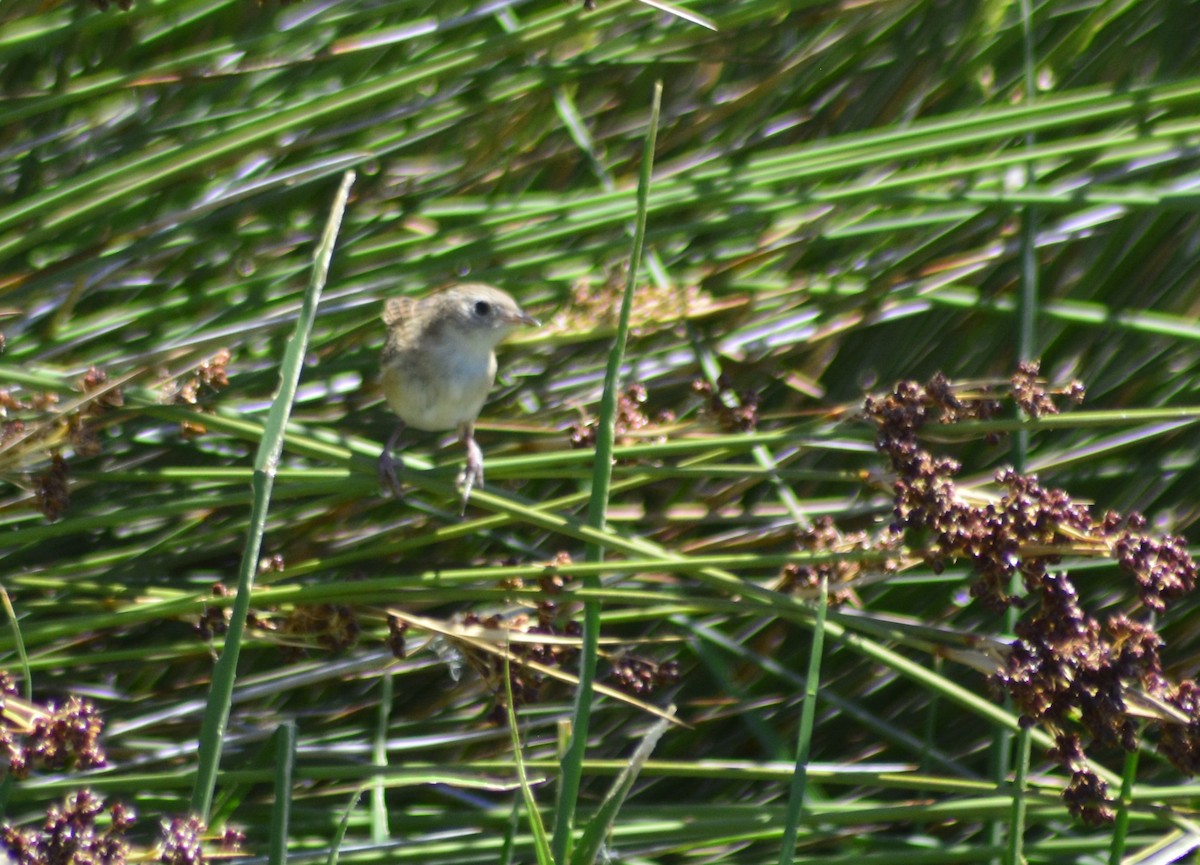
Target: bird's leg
(387,466)
(473,473)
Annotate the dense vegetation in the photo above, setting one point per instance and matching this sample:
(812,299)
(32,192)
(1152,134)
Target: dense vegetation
(865,224)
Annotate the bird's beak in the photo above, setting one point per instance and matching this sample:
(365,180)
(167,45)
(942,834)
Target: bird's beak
(522,318)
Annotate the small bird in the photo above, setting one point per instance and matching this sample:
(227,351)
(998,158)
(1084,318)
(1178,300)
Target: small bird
(439,363)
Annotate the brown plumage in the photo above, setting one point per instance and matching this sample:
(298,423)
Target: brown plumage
(439,364)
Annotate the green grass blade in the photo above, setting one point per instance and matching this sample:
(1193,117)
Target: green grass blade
(799,786)
(541,841)
(339,836)
(572,764)
(594,835)
(380,830)
(266,460)
(281,808)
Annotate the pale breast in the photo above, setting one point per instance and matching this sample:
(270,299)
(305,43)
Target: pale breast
(439,395)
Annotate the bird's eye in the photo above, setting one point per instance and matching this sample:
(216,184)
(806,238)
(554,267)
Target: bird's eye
(482,308)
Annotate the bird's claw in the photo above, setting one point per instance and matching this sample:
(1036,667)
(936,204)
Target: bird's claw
(387,465)
(387,475)
(472,473)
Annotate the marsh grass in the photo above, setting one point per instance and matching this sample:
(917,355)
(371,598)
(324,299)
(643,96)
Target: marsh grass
(844,196)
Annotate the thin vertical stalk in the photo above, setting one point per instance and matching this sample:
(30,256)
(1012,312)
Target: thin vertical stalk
(1016,835)
(379,757)
(537,828)
(799,787)
(1027,350)
(266,461)
(572,762)
(285,764)
(1116,850)
(335,845)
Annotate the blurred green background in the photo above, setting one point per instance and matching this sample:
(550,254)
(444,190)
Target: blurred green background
(844,195)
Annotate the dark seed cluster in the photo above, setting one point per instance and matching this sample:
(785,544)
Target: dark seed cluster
(182,840)
(95,381)
(335,626)
(842,572)
(214,620)
(28,418)
(627,672)
(1181,742)
(51,737)
(81,427)
(68,736)
(207,379)
(28,423)
(73,834)
(527,683)
(397,638)
(630,419)
(733,410)
(1065,669)
(79,833)
(1086,794)
(1031,395)
(11,427)
(180,844)
(1162,566)
(52,489)
(642,677)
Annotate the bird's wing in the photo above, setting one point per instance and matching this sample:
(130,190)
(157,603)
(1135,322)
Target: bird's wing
(396,309)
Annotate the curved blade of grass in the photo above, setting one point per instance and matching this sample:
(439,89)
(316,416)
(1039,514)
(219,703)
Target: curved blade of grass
(572,764)
(680,12)
(601,824)
(285,764)
(510,835)
(1116,851)
(335,845)
(380,831)
(537,828)
(796,796)
(491,647)
(19,645)
(1009,749)
(266,461)
(26,682)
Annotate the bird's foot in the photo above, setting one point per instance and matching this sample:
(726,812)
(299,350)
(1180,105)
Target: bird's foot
(472,473)
(387,475)
(387,466)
